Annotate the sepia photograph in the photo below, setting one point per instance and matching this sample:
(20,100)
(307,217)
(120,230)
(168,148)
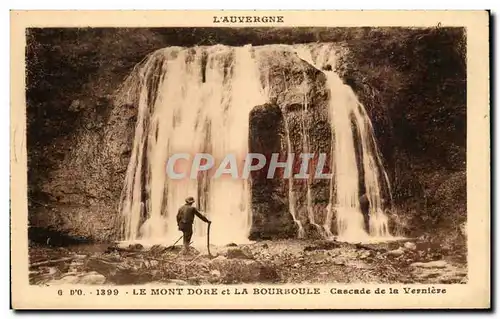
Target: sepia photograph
(199,157)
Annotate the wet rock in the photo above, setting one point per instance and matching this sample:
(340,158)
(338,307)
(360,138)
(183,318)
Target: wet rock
(431,264)
(121,273)
(238,253)
(92,278)
(396,253)
(111,249)
(135,247)
(410,246)
(365,254)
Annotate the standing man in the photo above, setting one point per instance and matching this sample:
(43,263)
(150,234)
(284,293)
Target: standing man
(185,219)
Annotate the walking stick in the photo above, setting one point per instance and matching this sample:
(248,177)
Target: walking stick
(208,239)
(175,242)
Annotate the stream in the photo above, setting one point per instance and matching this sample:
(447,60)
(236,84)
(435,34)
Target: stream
(282,261)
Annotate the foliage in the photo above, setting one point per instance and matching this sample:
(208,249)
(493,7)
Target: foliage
(413,83)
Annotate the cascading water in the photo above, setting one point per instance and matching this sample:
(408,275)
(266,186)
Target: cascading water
(291,194)
(201,105)
(198,100)
(345,107)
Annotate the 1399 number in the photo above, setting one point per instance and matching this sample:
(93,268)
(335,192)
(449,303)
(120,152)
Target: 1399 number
(107,292)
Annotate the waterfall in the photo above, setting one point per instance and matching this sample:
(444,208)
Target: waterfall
(198,100)
(349,217)
(291,194)
(344,187)
(200,103)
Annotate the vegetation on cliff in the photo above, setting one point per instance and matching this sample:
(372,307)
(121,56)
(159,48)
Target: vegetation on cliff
(413,83)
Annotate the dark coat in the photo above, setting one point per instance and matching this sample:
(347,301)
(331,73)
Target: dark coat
(185,216)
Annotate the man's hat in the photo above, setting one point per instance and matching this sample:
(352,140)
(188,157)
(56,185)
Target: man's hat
(190,200)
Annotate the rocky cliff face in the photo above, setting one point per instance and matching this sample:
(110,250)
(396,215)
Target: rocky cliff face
(269,196)
(84,186)
(299,111)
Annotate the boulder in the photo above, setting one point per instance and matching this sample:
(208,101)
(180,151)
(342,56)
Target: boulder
(396,253)
(136,247)
(410,246)
(233,271)
(92,278)
(365,254)
(121,273)
(239,253)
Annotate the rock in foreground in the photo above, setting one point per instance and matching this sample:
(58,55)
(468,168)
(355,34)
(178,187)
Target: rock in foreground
(271,262)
